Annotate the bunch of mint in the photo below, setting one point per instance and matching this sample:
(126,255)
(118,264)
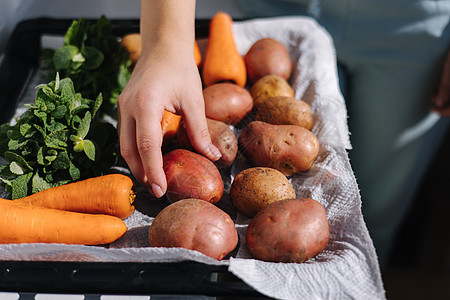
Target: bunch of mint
(58,140)
(94,59)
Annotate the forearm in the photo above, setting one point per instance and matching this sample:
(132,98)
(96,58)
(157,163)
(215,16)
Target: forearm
(169,23)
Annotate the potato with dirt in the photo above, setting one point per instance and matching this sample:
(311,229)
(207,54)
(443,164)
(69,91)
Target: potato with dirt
(254,188)
(283,110)
(221,136)
(227,102)
(290,149)
(268,56)
(288,231)
(194,224)
(191,175)
(270,86)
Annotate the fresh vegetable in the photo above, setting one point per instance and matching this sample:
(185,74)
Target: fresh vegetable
(289,231)
(94,59)
(227,102)
(191,175)
(268,56)
(288,148)
(222,62)
(270,86)
(108,194)
(58,140)
(221,136)
(194,224)
(133,44)
(169,126)
(282,110)
(254,188)
(21,223)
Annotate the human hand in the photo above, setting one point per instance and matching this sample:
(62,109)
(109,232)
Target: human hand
(441,99)
(165,78)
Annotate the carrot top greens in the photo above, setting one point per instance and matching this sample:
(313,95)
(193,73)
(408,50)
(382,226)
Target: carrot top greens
(59,139)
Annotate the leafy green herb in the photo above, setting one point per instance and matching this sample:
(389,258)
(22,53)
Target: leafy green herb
(59,139)
(94,59)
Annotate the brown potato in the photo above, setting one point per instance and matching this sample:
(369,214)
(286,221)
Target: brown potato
(221,136)
(270,86)
(289,231)
(191,175)
(268,56)
(288,148)
(194,224)
(282,110)
(255,188)
(227,102)
(133,44)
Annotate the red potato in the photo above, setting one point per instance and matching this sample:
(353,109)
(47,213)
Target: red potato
(227,102)
(288,148)
(191,175)
(197,225)
(268,56)
(221,136)
(290,231)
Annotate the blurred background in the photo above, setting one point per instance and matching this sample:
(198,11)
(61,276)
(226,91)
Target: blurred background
(420,265)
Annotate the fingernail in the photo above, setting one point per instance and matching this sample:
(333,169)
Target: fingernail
(157,190)
(214,152)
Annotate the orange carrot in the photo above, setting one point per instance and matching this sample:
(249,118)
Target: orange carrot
(108,194)
(197,54)
(133,44)
(169,126)
(21,223)
(222,62)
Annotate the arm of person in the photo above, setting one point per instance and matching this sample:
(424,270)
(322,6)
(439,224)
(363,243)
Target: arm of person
(165,77)
(442,98)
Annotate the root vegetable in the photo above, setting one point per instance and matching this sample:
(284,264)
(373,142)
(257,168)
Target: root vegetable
(191,175)
(255,188)
(21,223)
(290,231)
(108,194)
(227,102)
(270,86)
(194,224)
(282,110)
(268,56)
(221,136)
(222,61)
(288,148)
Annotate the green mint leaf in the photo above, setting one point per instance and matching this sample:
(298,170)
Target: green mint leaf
(85,124)
(63,58)
(62,161)
(94,58)
(74,172)
(15,168)
(98,102)
(76,33)
(57,139)
(20,186)
(14,157)
(39,184)
(89,149)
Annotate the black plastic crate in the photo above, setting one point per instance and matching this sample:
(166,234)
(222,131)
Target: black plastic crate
(17,66)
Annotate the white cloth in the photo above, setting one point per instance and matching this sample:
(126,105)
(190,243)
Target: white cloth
(348,267)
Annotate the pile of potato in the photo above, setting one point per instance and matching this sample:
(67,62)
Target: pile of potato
(275,136)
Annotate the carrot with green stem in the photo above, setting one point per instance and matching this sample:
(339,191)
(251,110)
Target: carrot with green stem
(222,61)
(110,194)
(21,223)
